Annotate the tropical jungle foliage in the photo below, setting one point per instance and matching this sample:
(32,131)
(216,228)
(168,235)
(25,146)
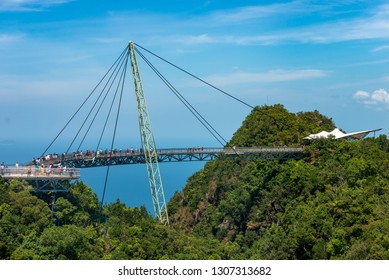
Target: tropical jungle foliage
(331,204)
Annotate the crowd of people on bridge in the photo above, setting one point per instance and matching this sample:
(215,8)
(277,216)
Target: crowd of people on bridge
(37,169)
(195,149)
(89,153)
(50,158)
(44,164)
(107,152)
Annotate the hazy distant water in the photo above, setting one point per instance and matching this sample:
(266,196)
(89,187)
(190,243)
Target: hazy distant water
(129,183)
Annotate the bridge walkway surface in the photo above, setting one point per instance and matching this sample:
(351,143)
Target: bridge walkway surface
(55,172)
(90,159)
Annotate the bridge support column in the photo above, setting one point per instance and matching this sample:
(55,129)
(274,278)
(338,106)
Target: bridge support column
(148,143)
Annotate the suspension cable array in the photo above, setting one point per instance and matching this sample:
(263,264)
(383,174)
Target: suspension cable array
(197,78)
(114,65)
(207,126)
(184,101)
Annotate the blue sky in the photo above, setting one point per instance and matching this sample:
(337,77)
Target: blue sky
(330,56)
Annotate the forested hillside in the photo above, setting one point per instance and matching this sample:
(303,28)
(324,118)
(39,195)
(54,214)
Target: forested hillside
(331,204)
(80,229)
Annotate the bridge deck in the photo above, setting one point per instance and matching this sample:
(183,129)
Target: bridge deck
(59,171)
(92,159)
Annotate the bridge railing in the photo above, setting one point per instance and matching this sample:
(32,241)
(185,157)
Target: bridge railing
(134,153)
(129,153)
(263,149)
(39,173)
(195,150)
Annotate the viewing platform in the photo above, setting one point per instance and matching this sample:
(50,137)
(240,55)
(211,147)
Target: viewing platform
(54,179)
(32,173)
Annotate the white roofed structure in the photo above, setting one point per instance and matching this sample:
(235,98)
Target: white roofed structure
(337,134)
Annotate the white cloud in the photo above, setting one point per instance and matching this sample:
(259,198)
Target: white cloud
(380,96)
(377,98)
(28,5)
(361,95)
(266,77)
(15,89)
(373,25)
(380,48)
(249,13)
(198,39)
(9,38)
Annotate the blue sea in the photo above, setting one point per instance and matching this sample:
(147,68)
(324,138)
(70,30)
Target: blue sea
(129,183)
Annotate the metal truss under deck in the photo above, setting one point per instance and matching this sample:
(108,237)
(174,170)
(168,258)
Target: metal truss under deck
(50,185)
(179,155)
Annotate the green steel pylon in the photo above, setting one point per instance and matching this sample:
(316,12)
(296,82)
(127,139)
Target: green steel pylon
(148,144)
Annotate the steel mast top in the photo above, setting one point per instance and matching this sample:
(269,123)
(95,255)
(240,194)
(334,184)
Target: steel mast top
(148,143)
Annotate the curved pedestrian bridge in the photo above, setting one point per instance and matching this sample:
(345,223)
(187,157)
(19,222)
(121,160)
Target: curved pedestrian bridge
(90,159)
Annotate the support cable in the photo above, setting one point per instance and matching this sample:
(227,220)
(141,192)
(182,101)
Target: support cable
(194,76)
(110,109)
(116,70)
(101,103)
(121,81)
(73,116)
(199,117)
(205,82)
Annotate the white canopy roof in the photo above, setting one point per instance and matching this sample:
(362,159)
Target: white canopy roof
(337,134)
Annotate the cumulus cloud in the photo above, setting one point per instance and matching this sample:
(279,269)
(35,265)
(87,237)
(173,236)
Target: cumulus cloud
(380,96)
(377,98)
